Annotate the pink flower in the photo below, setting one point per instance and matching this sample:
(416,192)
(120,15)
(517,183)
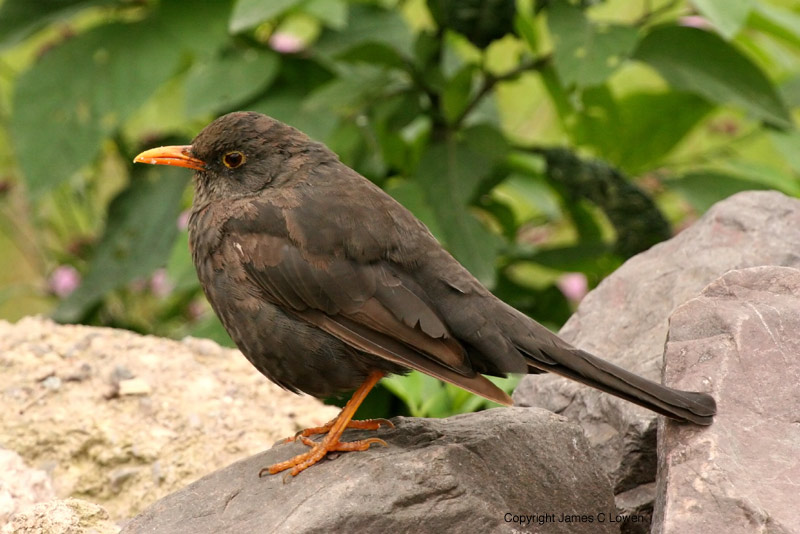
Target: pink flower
(285,43)
(574,286)
(160,284)
(63,280)
(183,220)
(696,21)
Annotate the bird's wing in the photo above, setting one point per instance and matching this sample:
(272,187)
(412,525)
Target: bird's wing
(369,306)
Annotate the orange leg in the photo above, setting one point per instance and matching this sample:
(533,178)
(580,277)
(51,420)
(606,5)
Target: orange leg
(334,431)
(365,424)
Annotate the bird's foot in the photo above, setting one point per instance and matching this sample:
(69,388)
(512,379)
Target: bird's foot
(330,443)
(333,433)
(366,424)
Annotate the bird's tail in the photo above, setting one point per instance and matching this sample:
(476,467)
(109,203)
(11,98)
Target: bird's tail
(563,359)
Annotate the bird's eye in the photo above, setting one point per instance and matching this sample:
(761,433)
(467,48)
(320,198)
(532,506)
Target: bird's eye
(233,159)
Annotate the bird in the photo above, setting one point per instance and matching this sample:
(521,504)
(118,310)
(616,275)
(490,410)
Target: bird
(327,284)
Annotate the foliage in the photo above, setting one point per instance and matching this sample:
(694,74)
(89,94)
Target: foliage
(534,138)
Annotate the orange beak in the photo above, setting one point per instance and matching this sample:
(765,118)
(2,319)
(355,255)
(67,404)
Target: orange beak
(171,155)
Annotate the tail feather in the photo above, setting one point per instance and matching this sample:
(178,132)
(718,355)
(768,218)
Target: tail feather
(687,406)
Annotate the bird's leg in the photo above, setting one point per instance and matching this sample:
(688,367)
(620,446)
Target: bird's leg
(364,424)
(334,431)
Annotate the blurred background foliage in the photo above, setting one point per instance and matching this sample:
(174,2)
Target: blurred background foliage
(542,141)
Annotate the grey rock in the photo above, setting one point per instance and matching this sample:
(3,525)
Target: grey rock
(469,473)
(742,474)
(625,320)
(637,502)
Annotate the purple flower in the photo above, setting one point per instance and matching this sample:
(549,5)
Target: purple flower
(285,43)
(63,280)
(574,286)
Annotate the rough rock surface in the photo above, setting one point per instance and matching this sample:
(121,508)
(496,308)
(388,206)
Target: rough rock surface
(741,474)
(122,419)
(70,516)
(20,485)
(468,473)
(625,320)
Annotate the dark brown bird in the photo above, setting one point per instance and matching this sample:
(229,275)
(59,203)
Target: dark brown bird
(327,284)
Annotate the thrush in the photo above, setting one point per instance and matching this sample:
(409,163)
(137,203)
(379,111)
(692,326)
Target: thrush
(326,284)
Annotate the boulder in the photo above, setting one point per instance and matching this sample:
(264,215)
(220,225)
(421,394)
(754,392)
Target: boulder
(741,474)
(20,485)
(625,320)
(502,470)
(68,516)
(122,419)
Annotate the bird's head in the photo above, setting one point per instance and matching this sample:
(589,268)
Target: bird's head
(239,154)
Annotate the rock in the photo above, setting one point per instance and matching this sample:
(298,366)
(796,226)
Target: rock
(206,407)
(133,386)
(501,470)
(20,485)
(625,320)
(637,502)
(70,516)
(741,474)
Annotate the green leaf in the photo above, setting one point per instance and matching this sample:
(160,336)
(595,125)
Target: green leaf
(529,196)
(180,267)
(422,394)
(81,91)
(586,52)
(783,24)
(788,144)
(450,173)
(286,98)
(222,83)
(769,176)
(332,13)
(525,28)
(411,195)
(653,123)
(357,86)
(374,53)
(457,93)
(137,239)
(727,16)
(250,13)
(367,24)
(704,189)
(20,18)
(703,63)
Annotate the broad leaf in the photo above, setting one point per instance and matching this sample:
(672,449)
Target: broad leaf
(778,22)
(457,93)
(138,238)
(450,173)
(704,189)
(637,131)
(20,18)
(586,52)
(81,91)
(332,13)
(250,13)
(411,195)
(727,16)
(367,24)
(788,144)
(703,63)
(220,84)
